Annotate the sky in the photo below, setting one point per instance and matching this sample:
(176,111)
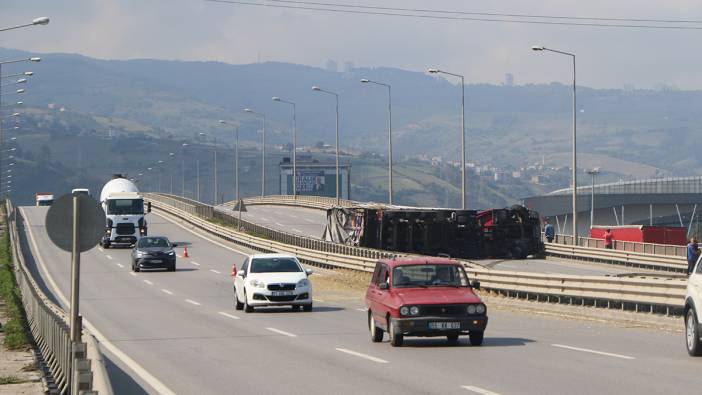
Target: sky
(483,51)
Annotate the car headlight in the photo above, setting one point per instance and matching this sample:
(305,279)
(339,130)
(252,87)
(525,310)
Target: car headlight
(139,254)
(171,253)
(257,284)
(303,283)
(480,309)
(414,310)
(471,309)
(404,310)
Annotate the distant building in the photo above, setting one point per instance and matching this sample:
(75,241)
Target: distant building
(516,174)
(499,176)
(509,79)
(349,65)
(332,66)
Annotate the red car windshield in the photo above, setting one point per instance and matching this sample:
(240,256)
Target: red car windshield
(428,275)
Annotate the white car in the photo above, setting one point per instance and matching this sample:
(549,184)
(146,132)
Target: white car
(272,280)
(693,308)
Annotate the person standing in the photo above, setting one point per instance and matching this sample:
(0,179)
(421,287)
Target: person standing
(693,252)
(609,239)
(549,231)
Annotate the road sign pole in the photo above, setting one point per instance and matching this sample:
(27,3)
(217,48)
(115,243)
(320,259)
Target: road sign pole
(241,203)
(75,287)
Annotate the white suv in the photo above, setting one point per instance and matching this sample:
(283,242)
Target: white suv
(693,308)
(272,280)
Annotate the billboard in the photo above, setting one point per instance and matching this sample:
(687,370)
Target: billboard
(310,182)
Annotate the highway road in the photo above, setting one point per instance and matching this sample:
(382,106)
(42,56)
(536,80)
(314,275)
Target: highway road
(296,220)
(179,333)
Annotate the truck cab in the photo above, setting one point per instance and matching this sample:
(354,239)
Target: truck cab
(124,212)
(44,199)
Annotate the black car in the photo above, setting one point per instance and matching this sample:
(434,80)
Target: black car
(153,252)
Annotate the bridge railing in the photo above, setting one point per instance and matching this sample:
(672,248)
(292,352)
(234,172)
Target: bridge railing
(621,245)
(49,326)
(318,202)
(665,295)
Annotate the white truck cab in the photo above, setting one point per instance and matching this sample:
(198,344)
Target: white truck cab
(124,211)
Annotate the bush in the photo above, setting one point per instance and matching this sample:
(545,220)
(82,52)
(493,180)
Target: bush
(16,329)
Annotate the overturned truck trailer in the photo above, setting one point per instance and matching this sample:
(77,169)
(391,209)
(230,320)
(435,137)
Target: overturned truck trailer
(514,232)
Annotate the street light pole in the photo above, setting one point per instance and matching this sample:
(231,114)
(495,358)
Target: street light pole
(263,151)
(182,186)
(574,159)
(593,173)
(36,21)
(463,132)
(338,181)
(294,158)
(367,81)
(236,159)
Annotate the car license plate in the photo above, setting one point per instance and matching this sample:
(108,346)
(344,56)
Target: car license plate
(155,261)
(281,293)
(444,325)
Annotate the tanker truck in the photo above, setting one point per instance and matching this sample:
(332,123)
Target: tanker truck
(124,211)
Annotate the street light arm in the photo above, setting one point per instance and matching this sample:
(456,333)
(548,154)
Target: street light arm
(21,60)
(557,51)
(375,82)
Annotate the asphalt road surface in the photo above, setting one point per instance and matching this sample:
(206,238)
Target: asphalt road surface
(296,220)
(179,333)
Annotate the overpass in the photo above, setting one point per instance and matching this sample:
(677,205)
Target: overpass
(179,333)
(674,201)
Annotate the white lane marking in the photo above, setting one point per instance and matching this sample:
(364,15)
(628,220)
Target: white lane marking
(101,250)
(309,220)
(155,383)
(120,265)
(265,219)
(296,230)
(279,224)
(166,291)
(179,256)
(192,302)
(195,263)
(293,216)
(132,273)
(360,355)
(278,331)
(593,351)
(228,315)
(148,282)
(318,300)
(363,310)
(108,256)
(215,271)
(479,390)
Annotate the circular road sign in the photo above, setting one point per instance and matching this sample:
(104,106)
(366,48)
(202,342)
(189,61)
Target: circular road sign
(59,222)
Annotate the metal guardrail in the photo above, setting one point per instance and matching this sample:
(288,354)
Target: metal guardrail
(619,257)
(49,326)
(665,295)
(318,202)
(621,245)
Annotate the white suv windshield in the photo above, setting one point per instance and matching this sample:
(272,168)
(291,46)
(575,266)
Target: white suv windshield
(274,265)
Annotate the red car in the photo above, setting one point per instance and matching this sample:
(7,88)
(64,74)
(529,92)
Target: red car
(424,297)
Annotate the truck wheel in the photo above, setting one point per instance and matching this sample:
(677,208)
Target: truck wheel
(396,339)
(692,336)
(375,332)
(476,338)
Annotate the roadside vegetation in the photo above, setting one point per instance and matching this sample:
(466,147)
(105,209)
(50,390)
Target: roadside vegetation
(15,329)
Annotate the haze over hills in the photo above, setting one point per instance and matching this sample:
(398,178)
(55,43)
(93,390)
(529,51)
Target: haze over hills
(508,126)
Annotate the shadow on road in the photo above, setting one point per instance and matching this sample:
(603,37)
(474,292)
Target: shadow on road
(464,342)
(286,309)
(121,382)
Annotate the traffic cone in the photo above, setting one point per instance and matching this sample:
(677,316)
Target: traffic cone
(185,253)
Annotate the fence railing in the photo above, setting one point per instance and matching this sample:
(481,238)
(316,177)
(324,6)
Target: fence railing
(49,326)
(664,295)
(318,202)
(621,245)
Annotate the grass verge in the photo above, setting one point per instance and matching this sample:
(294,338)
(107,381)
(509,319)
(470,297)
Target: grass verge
(16,326)
(4,380)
